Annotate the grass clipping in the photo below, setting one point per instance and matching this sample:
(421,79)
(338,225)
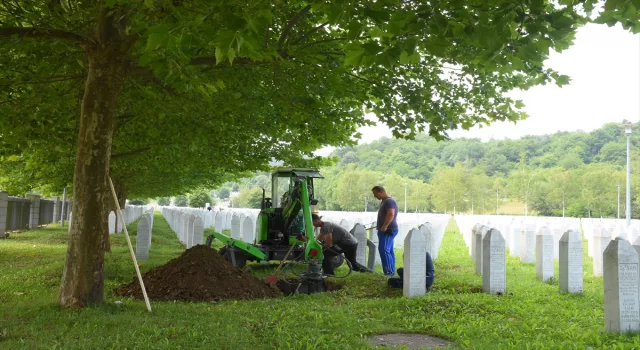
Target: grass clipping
(199,274)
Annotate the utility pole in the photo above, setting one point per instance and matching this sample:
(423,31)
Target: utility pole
(405,197)
(618,201)
(627,131)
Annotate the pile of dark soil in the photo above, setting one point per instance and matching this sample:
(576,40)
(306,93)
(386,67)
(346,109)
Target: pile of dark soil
(199,274)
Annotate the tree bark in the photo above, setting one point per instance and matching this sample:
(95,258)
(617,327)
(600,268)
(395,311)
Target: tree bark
(82,279)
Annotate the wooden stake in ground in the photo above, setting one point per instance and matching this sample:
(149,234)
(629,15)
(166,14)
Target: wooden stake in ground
(133,254)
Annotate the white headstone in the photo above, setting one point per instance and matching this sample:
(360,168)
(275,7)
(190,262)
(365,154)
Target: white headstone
(345,224)
(415,265)
(70,217)
(219,222)
(143,238)
(190,233)
(570,261)
(430,239)
(544,254)
(473,246)
(360,232)
(494,263)
(236,233)
(527,245)
(621,287)
(248,229)
(374,240)
(198,231)
(112,222)
(479,237)
(601,238)
(514,239)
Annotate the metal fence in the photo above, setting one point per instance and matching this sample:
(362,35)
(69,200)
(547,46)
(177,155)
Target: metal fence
(19,212)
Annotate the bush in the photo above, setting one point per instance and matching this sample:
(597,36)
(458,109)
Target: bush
(138,201)
(164,201)
(199,199)
(181,201)
(224,193)
(249,198)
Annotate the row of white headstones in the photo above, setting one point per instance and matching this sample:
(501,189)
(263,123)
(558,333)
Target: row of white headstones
(612,253)
(145,226)
(241,223)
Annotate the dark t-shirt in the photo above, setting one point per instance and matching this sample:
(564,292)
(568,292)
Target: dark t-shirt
(388,203)
(341,237)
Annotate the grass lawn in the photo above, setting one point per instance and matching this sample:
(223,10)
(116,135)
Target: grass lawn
(533,315)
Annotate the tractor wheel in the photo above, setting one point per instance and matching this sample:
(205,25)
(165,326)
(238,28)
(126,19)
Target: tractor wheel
(337,261)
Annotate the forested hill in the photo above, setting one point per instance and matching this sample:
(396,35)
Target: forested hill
(576,173)
(418,158)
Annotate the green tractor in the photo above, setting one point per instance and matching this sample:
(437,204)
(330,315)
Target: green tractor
(285,229)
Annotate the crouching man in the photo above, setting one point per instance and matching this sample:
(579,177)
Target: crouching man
(396,282)
(334,236)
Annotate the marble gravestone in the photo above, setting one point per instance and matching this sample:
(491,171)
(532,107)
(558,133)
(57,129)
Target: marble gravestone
(143,238)
(472,245)
(415,265)
(248,231)
(621,287)
(184,230)
(236,233)
(601,238)
(430,239)
(570,260)
(374,240)
(514,239)
(345,224)
(479,236)
(494,263)
(360,232)
(219,222)
(477,249)
(544,254)
(112,222)
(191,219)
(198,231)
(527,245)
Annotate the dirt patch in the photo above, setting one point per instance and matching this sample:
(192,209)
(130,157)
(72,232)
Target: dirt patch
(411,341)
(199,274)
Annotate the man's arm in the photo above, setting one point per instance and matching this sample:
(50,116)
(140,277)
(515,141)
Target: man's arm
(387,219)
(328,240)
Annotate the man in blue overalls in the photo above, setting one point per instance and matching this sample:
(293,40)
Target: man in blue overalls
(387,229)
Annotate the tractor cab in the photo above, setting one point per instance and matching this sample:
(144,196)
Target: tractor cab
(282,217)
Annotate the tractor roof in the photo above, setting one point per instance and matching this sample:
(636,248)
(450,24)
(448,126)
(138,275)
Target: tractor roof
(306,172)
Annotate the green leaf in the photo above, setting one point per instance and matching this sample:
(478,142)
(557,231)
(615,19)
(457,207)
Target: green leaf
(219,55)
(231,54)
(562,80)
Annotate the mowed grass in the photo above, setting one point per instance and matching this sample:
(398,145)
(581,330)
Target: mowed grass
(532,315)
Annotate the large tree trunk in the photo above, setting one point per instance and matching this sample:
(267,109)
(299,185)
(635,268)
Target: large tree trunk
(82,280)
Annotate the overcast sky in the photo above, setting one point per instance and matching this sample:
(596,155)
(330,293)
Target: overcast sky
(604,65)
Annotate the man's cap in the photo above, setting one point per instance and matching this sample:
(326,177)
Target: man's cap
(315,217)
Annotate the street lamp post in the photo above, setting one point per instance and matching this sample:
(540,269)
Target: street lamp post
(627,130)
(618,201)
(405,197)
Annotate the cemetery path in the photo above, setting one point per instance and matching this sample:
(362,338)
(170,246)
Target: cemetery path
(199,274)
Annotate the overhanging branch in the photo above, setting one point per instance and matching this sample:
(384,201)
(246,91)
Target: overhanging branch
(130,153)
(211,60)
(33,32)
(290,25)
